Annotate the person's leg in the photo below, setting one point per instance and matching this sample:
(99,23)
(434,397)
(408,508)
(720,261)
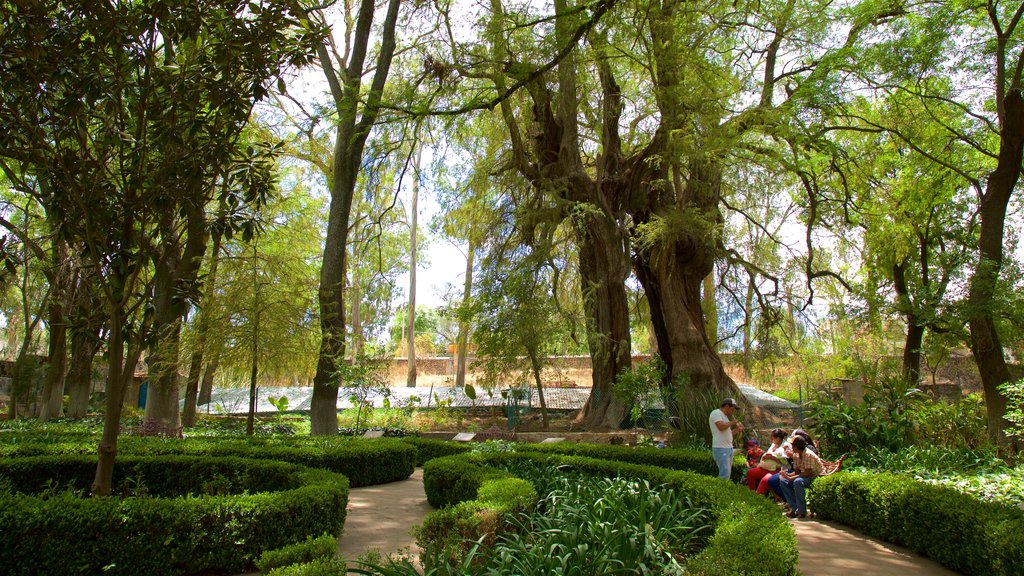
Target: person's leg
(773,484)
(754,477)
(762,486)
(786,488)
(800,495)
(723,457)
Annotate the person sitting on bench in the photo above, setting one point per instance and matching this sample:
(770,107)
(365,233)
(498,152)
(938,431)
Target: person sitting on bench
(793,485)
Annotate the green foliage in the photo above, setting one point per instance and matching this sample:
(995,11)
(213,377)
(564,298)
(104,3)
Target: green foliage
(427,449)
(453,479)
(691,460)
(1014,394)
(318,567)
(362,381)
(175,529)
(640,389)
(894,416)
(313,548)
(364,462)
(749,534)
(925,518)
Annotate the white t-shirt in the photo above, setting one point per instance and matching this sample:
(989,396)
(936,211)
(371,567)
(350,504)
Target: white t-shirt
(719,438)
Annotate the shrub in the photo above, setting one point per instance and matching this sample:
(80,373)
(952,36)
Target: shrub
(56,531)
(364,462)
(314,548)
(925,518)
(428,448)
(318,567)
(691,460)
(750,534)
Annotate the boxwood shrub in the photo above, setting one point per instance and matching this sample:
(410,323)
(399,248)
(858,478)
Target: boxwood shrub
(48,527)
(954,529)
(750,537)
(365,462)
(699,461)
(430,448)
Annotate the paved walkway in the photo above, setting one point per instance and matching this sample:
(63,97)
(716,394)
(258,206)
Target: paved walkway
(381,518)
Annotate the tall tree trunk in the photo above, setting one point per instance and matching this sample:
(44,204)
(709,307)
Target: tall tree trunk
(536,369)
(206,385)
(88,316)
(250,421)
(188,412)
(915,328)
(107,452)
(195,370)
(410,380)
(348,151)
(53,388)
(176,268)
(603,271)
(672,273)
(985,343)
(79,378)
(462,340)
(355,297)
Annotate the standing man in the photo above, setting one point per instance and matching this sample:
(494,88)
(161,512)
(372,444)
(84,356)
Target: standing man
(721,423)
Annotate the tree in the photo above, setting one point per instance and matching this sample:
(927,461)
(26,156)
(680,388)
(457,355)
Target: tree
(357,112)
(123,114)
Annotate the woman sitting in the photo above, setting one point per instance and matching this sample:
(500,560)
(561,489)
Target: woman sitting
(793,485)
(771,462)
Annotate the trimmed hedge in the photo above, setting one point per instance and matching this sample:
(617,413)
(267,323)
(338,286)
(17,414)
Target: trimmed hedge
(429,448)
(698,461)
(751,537)
(366,462)
(58,532)
(954,529)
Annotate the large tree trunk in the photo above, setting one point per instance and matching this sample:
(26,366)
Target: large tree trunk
(88,317)
(348,151)
(79,378)
(672,272)
(176,268)
(603,271)
(985,343)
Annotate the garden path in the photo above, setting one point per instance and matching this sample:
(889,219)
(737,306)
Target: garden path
(381,518)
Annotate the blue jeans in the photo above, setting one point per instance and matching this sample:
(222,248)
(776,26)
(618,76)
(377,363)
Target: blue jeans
(773,484)
(795,493)
(723,457)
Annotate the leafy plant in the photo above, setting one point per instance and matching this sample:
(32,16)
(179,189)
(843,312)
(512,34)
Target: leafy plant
(640,388)
(1014,393)
(363,381)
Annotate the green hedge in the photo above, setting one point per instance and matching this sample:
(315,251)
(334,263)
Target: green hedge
(366,462)
(954,529)
(430,448)
(751,537)
(699,461)
(55,531)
